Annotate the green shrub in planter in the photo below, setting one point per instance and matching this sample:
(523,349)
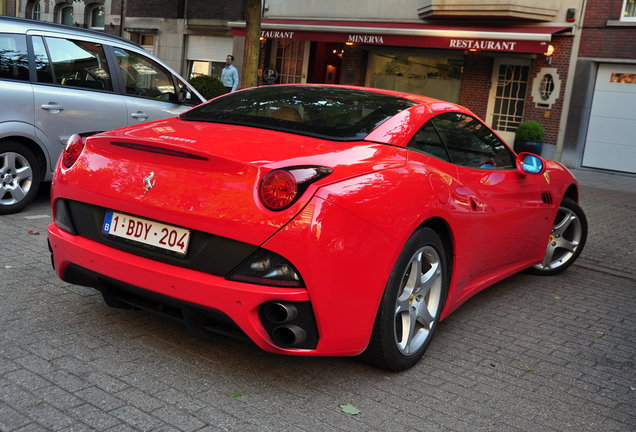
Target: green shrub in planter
(529,137)
(209,86)
(530,131)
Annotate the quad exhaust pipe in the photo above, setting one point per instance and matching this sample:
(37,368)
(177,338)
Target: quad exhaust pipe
(280,312)
(288,335)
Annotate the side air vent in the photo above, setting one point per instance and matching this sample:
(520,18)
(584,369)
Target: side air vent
(159,150)
(547,198)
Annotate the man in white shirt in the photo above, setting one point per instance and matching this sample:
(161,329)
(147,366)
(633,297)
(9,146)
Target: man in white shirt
(229,75)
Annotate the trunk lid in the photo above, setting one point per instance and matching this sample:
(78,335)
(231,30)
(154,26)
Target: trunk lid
(206,176)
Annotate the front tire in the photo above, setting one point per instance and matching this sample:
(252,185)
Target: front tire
(566,241)
(19,177)
(411,305)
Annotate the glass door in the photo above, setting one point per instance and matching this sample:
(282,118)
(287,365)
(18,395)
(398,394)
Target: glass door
(507,96)
(292,60)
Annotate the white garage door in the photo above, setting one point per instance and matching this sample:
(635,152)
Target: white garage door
(611,134)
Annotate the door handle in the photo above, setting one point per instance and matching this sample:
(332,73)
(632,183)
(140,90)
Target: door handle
(52,107)
(139,115)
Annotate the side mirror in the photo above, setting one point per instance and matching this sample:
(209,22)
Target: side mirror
(184,95)
(528,163)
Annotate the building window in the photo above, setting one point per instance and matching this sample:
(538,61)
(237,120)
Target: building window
(97,18)
(198,68)
(33,10)
(66,15)
(629,10)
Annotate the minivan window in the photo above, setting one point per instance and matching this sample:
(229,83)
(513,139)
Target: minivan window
(14,58)
(79,63)
(144,77)
(42,63)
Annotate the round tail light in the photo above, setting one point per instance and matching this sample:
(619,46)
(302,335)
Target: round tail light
(278,190)
(72,151)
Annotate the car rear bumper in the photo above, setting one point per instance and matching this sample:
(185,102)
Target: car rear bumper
(203,301)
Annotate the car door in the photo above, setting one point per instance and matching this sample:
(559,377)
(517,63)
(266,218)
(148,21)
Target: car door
(503,203)
(74,91)
(151,91)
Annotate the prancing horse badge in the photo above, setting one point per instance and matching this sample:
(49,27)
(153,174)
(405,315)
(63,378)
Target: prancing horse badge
(148,183)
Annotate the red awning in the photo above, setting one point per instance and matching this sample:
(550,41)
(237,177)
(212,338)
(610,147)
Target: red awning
(519,39)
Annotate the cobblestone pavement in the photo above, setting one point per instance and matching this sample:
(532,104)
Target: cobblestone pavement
(530,353)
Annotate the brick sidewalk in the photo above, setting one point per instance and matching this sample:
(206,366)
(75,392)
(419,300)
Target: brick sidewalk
(530,353)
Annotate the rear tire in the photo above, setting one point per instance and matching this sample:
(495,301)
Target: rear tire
(567,240)
(19,177)
(411,306)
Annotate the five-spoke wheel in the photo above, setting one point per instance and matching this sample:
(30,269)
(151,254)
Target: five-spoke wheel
(411,305)
(566,240)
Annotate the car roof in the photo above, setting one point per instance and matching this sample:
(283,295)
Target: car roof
(23,25)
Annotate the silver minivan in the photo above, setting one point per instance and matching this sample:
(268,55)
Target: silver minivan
(57,80)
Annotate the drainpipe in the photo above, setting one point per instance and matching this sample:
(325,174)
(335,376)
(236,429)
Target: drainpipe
(185,14)
(123,17)
(574,57)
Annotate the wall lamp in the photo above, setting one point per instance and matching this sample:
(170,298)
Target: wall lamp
(548,54)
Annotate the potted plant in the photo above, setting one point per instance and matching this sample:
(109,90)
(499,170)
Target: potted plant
(529,137)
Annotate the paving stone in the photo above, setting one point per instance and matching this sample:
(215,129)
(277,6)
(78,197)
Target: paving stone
(70,363)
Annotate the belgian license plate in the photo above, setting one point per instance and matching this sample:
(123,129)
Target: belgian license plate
(148,232)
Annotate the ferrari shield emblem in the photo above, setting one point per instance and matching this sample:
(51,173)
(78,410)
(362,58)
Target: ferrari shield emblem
(547,177)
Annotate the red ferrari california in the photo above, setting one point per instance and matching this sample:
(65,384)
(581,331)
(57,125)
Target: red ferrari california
(314,220)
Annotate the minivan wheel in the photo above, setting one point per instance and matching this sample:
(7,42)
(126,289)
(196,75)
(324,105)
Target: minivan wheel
(19,177)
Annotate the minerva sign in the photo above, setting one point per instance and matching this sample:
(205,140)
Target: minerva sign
(405,40)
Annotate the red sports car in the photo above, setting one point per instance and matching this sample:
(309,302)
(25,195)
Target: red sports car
(315,220)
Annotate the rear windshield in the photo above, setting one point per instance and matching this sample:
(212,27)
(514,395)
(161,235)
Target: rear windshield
(325,112)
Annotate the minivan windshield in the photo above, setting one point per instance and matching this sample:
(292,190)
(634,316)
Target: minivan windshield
(327,112)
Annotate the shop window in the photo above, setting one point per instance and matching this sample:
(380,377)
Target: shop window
(439,78)
(197,68)
(97,18)
(629,10)
(66,15)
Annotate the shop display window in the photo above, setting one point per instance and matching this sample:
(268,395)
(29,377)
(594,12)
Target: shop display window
(439,78)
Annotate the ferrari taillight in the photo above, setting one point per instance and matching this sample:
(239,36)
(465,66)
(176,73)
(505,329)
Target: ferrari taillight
(280,188)
(72,151)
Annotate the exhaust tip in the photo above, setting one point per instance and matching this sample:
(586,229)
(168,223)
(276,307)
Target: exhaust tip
(280,313)
(288,335)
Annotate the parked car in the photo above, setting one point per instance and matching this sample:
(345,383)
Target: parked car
(315,220)
(56,80)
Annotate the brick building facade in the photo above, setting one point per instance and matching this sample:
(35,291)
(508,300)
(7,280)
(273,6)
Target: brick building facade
(601,117)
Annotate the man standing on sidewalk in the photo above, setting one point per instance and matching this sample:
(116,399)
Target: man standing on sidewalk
(229,75)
